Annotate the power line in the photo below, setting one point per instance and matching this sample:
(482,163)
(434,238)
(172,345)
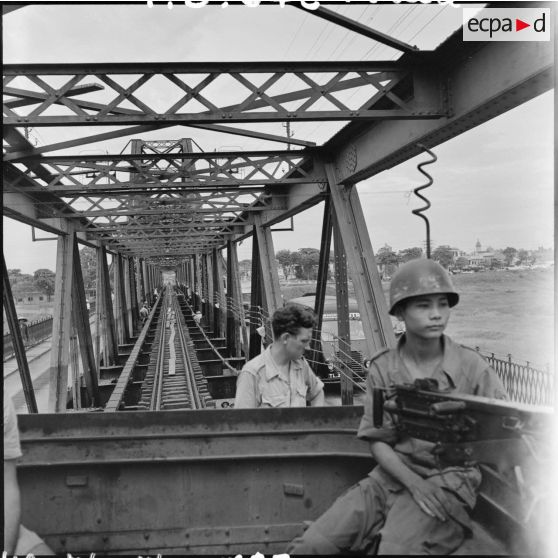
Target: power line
(296,35)
(428,22)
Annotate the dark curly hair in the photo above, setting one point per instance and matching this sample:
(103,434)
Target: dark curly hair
(291,318)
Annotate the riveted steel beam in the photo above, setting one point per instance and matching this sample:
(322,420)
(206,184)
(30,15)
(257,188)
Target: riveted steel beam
(236,324)
(80,319)
(256,299)
(483,81)
(17,340)
(321,283)
(115,68)
(165,172)
(26,97)
(61,322)
(218,209)
(120,300)
(153,157)
(313,99)
(269,274)
(427,113)
(154,234)
(342,303)
(106,327)
(361,264)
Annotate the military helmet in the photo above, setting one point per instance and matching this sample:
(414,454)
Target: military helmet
(420,277)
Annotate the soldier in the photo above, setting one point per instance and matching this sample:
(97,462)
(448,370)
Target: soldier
(24,328)
(144,312)
(281,376)
(410,503)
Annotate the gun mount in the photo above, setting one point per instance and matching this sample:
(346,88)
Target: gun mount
(469,429)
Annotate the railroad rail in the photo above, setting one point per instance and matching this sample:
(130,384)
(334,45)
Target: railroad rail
(174,380)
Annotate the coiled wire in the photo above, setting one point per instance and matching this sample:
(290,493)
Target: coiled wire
(419,212)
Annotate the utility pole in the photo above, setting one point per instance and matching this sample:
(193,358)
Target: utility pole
(290,134)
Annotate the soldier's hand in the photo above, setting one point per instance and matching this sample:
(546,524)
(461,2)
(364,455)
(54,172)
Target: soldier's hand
(430,498)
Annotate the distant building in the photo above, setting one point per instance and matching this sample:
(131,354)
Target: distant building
(27,294)
(485,258)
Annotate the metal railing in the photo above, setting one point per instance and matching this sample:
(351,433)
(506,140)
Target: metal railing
(36,332)
(523,382)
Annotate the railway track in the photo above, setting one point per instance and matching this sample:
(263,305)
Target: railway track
(174,379)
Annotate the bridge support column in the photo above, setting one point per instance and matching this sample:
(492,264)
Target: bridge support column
(180,276)
(130,290)
(120,302)
(204,288)
(216,269)
(236,324)
(209,265)
(362,264)
(220,274)
(189,279)
(61,322)
(106,331)
(147,293)
(80,318)
(152,283)
(256,317)
(157,280)
(323,269)
(269,275)
(19,348)
(140,292)
(343,328)
(196,283)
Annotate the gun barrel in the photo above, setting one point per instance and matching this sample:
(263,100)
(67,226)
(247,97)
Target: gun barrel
(448,407)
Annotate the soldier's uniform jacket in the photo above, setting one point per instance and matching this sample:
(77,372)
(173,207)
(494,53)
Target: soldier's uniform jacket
(262,384)
(462,370)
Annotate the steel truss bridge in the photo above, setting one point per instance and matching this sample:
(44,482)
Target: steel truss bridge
(166,204)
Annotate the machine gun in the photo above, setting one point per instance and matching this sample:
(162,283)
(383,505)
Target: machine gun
(468,429)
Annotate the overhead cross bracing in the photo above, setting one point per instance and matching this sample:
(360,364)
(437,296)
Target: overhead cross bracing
(107,190)
(162,172)
(127,93)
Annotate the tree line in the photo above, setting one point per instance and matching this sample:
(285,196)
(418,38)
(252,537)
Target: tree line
(300,264)
(445,255)
(303,263)
(43,280)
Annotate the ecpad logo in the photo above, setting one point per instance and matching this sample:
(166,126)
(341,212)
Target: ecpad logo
(506,24)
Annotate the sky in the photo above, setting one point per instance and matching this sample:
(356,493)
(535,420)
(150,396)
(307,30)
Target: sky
(493,183)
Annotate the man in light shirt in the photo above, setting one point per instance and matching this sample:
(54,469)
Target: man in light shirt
(281,376)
